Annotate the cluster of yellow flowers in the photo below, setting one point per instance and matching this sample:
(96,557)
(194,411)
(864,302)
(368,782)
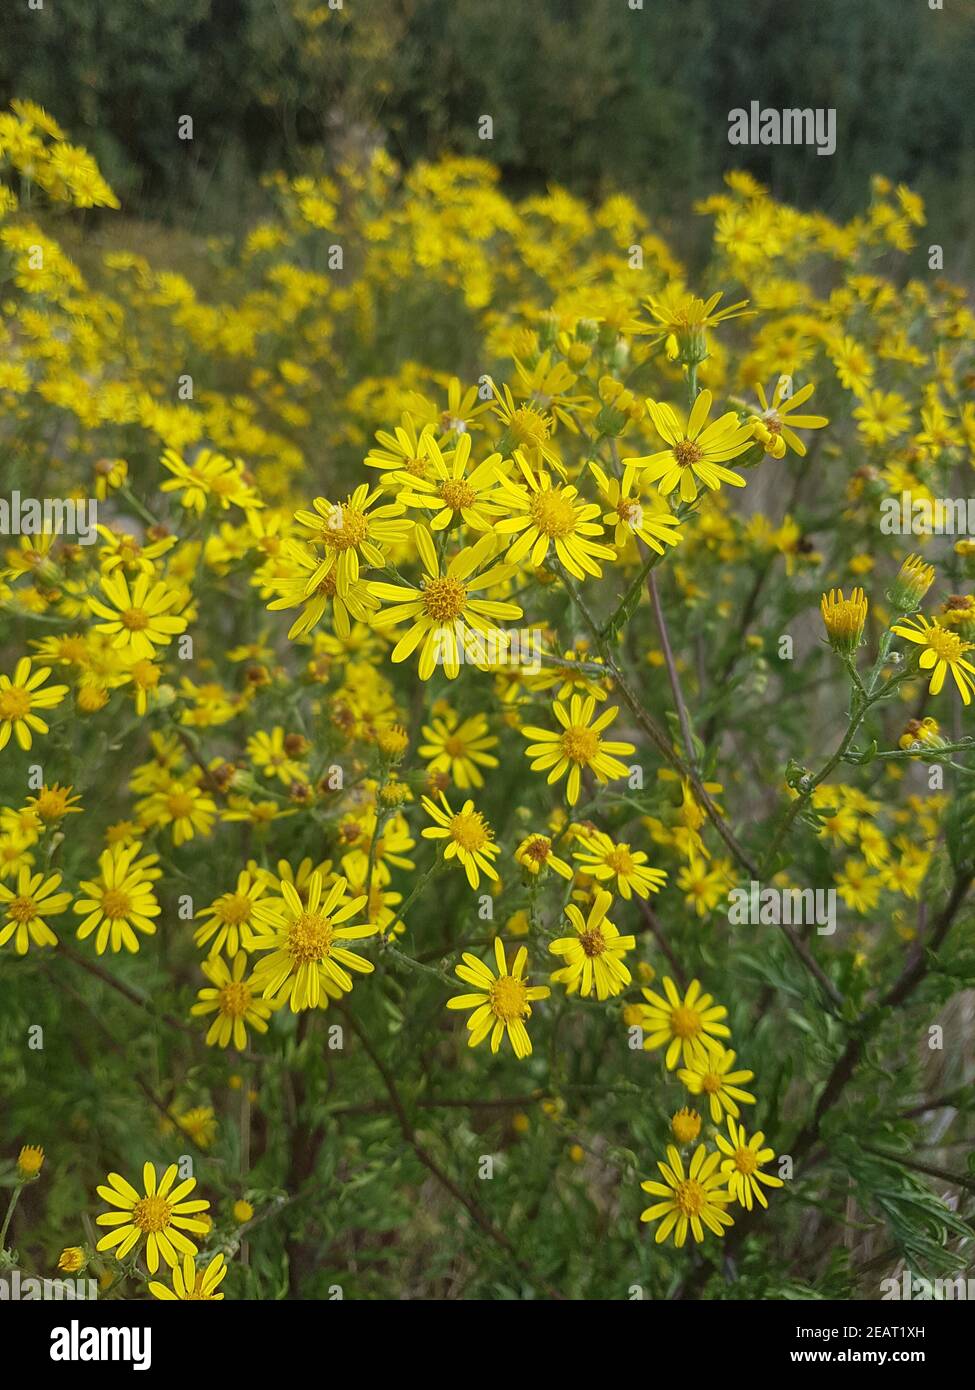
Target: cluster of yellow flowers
(504,535)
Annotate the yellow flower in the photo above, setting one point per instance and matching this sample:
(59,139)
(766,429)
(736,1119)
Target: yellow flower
(535,854)
(778,418)
(30,1161)
(742,1167)
(26,911)
(308,964)
(469,837)
(550,516)
(709,1074)
(443,615)
(210,475)
(233,999)
(502,1003)
(655,525)
(528,432)
(689,1026)
(594,956)
(242,1211)
(858,888)
(601,858)
(182,806)
(352,530)
(451,492)
(844,619)
(233,921)
(685,1126)
(696,449)
(20,697)
(121,902)
(159,1217)
(459,748)
(303,585)
(138,620)
(691,1199)
(576,745)
(189,1283)
(942,652)
(914,579)
(72,1259)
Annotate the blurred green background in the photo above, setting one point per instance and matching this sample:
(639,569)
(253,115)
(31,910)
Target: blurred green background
(588,93)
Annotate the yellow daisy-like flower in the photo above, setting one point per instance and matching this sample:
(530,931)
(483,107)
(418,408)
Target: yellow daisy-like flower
(200,1286)
(696,449)
(443,614)
(710,1075)
(549,516)
(656,526)
(159,1217)
(844,619)
(138,619)
(742,1167)
(469,837)
(778,418)
(450,491)
(459,748)
(527,430)
(502,1003)
(689,1026)
(308,964)
(121,902)
(576,745)
(183,807)
(232,920)
(352,530)
(302,585)
(685,1125)
(30,1161)
(594,956)
(693,1199)
(943,652)
(403,454)
(21,697)
(535,854)
(27,909)
(601,858)
(210,475)
(233,999)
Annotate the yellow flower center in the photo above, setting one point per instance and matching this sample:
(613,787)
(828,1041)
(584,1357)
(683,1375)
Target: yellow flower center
(151,1214)
(116,904)
(326,589)
(444,599)
(687,453)
(416,467)
(620,860)
(14,703)
(629,511)
(580,744)
(746,1160)
(711,1083)
(592,942)
(454,746)
(310,938)
(508,998)
(538,849)
(345,528)
(457,493)
(690,1197)
(553,513)
(135,619)
(234,908)
(180,804)
(685,1023)
(468,830)
(235,999)
(947,645)
(529,427)
(22,909)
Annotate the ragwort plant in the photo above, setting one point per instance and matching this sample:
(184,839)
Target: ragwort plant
(413,796)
